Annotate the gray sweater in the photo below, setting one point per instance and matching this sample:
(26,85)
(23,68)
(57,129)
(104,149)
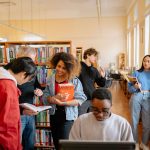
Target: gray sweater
(115,128)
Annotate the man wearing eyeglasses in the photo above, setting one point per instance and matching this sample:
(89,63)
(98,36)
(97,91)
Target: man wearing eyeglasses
(101,123)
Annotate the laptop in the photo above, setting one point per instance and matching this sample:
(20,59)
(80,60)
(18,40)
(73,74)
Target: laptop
(95,145)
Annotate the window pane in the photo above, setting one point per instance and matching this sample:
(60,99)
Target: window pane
(147,34)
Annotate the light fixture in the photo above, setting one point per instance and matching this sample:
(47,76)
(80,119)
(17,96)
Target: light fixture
(3,39)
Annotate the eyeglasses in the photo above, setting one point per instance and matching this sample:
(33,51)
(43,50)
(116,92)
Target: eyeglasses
(104,111)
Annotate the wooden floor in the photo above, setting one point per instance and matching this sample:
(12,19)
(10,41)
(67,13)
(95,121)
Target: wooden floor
(120,102)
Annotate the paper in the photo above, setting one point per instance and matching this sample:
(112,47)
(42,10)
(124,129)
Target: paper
(130,79)
(34,108)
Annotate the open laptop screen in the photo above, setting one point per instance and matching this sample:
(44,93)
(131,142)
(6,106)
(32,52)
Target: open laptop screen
(95,145)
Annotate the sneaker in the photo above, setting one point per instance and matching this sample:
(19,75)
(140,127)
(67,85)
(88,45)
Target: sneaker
(144,147)
(137,147)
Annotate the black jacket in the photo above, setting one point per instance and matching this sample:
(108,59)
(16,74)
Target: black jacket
(27,91)
(89,76)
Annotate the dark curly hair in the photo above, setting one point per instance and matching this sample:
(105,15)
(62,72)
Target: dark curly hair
(70,62)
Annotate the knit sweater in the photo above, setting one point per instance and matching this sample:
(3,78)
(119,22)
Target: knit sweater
(115,128)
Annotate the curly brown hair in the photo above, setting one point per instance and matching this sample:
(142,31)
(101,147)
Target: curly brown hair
(71,64)
(90,51)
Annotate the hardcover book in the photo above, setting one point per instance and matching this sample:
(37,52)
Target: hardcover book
(68,89)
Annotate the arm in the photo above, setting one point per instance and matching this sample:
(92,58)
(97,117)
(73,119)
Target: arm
(37,84)
(99,79)
(133,88)
(79,96)
(102,72)
(46,95)
(75,133)
(38,89)
(127,133)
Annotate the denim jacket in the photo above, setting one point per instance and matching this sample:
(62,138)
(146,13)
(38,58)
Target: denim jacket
(71,111)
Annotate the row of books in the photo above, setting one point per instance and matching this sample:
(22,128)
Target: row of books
(42,73)
(44,53)
(43,119)
(43,137)
(2,58)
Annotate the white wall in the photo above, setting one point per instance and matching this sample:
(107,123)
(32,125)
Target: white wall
(108,35)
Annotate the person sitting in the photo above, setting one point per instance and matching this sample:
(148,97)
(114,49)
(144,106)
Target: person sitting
(101,124)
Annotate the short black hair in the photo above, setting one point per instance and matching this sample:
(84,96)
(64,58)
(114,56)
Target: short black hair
(22,64)
(102,94)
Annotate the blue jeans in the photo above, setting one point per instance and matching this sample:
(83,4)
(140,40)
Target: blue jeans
(140,106)
(28,132)
(60,127)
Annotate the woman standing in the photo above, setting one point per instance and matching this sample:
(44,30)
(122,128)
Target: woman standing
(64,113)
(140,102)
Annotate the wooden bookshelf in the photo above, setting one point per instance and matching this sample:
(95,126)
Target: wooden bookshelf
(44,49)
(9,52)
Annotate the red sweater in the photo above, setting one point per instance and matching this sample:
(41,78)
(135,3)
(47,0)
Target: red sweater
(9,115)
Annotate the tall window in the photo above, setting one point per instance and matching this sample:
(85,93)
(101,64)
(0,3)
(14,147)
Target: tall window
(136,45)
(135,12)
(147,35)
(129,48)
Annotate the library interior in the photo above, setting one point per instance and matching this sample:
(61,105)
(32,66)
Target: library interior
(103,44)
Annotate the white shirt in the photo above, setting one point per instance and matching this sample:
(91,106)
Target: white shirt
(115,128)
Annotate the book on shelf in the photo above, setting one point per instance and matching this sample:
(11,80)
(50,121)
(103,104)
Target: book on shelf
(1,55)
(67,89)
(34,108)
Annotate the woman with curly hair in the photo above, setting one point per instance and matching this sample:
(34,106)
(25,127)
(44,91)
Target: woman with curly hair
(63,113)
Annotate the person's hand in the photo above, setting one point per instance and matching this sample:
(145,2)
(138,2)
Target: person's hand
(59,102)
(29,112)
(137,85)
(102,72)
(38,92)
(62,97)
(57,99)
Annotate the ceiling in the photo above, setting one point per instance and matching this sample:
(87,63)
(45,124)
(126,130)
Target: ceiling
(60,9)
